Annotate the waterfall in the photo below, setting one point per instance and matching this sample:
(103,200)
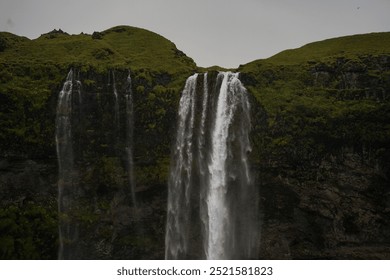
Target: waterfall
(217,207)
(210,182)
(129,138)
(180,176)
(68,232)
(116,106)
(202,163)
(81,142)
(229,145)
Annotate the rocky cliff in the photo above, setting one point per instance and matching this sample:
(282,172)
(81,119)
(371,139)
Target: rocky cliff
(324,151)
(320,135)
(32,75)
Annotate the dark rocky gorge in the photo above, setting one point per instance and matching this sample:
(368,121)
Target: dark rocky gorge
(320,138)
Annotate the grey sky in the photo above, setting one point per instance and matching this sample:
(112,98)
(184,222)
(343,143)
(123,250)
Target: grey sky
(213,32)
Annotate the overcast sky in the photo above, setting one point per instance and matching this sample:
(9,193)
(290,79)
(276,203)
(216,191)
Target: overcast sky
(213,32)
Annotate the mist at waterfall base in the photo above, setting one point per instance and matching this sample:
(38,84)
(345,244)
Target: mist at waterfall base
(85,151)
(212,201)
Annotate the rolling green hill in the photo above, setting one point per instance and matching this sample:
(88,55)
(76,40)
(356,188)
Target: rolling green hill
(350,47)
(34,68)
(32,71)
(118,47)
(335,72)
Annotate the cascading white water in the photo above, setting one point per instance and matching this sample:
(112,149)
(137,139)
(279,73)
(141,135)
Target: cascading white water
(232,100)
(210,159)
(180,177)
(116,106)
(217,207)
(129,138)
(63,123)
(66,178)
(203,167)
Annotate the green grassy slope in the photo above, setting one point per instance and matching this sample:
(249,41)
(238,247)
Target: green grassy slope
(32,72)
(120,46)
(35,67)
(348,47)
(325,95)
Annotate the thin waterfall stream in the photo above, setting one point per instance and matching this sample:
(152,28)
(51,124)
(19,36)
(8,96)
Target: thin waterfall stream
(67,183)
(129,138)
(80,143)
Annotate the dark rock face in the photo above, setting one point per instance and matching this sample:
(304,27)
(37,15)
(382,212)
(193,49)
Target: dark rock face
(323,196)
(28,209)
(355,80)
(108,225)
(339,212)
(30,177)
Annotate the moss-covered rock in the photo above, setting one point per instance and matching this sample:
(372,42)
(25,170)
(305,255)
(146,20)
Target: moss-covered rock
(321,154)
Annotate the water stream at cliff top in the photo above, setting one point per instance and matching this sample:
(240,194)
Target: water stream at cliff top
(116,103)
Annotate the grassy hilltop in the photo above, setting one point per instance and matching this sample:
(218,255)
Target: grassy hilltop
(337,89)
(32,72)
(117,47)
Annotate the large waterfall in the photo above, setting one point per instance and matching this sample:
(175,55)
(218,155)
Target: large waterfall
(212,202)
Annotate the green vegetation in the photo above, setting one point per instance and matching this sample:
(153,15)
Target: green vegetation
(324,96)
(350,47)
(28,231)
(32,71)
(119,47)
